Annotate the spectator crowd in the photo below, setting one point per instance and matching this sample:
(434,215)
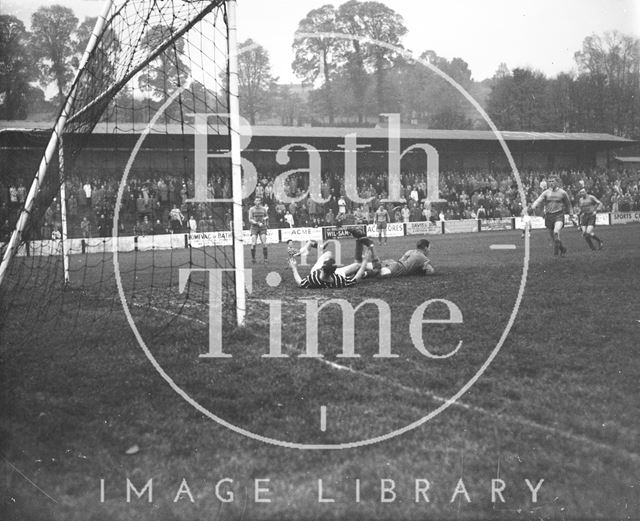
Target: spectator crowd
(155,204)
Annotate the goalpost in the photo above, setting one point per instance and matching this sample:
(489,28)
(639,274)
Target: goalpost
(139,54)
(236,165)
(16,236)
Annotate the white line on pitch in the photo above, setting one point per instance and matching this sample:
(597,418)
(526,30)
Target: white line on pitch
(502,247)
(323,418)
(568,435)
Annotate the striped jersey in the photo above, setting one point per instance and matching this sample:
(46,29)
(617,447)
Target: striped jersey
(258,214)
(588,204)
(313,281)
(555,201)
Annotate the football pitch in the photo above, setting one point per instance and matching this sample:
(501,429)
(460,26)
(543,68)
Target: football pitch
(446,419)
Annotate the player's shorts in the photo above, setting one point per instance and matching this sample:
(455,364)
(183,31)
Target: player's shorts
(373,268)
(551,219)
(392,268)
(258,230)
(588,219)
(382,226)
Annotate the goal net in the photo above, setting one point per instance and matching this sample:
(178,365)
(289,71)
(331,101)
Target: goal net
(116,209)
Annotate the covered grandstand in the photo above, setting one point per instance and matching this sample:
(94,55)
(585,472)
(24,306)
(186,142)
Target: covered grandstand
(22,142)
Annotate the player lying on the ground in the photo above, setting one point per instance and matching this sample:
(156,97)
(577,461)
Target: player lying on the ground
(412,262)
(588,205)
(556,204)
(304,251)
(326,274)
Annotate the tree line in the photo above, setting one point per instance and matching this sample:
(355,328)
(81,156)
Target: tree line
(603,96)
(42,58)
(351,80)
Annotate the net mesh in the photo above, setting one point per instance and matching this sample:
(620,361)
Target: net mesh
(154,66)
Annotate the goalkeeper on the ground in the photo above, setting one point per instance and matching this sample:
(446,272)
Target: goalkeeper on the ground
(412,262)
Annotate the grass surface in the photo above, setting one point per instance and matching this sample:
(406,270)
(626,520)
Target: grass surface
(559,402)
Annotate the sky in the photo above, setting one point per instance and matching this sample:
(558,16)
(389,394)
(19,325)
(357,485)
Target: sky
(540,34)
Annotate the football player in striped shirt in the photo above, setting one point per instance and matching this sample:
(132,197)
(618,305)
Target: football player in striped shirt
(258,218)
(326,274)
(556,204)
(588,205)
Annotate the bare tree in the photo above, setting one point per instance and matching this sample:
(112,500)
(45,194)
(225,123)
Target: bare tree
(609,67)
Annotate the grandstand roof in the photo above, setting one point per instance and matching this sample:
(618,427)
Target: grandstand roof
(628,159)
(340,132)
(432,134)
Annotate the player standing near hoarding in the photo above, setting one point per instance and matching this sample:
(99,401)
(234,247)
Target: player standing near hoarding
(588,205)
(380,219)
(556,204)
(258,218)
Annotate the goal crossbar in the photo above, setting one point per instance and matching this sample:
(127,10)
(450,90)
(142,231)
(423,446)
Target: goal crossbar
(127,40)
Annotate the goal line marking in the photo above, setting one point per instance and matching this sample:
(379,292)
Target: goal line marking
(469,407)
